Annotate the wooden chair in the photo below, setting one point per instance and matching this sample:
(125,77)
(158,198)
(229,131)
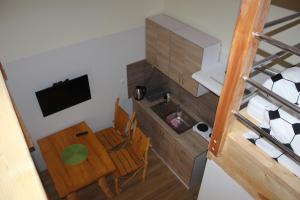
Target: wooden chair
(131,160)
(120,134)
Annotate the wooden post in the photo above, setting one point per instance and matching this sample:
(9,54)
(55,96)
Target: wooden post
(19,178)
(24,129)
(244,46)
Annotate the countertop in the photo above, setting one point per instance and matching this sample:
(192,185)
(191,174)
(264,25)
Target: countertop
(192,141)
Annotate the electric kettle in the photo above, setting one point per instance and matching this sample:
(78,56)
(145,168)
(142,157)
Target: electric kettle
(140,92)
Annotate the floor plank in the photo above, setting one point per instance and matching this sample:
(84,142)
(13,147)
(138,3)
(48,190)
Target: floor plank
(160,184)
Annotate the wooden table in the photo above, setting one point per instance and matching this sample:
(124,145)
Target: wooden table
(70,178)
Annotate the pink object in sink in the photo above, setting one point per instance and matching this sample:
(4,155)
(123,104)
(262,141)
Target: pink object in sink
(175,122)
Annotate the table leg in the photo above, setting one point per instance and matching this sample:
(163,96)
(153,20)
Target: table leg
(104,187)
(72,196)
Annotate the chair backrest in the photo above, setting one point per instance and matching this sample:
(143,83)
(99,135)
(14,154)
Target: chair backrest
(121,118)
(140,144)
(131,126)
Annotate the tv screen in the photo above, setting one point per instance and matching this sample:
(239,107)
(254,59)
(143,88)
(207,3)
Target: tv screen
(63,95)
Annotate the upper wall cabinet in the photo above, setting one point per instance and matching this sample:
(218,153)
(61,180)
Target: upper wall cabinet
(178,50)
(158,40)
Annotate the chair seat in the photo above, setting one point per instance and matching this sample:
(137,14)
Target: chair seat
(110,138)
(125,162)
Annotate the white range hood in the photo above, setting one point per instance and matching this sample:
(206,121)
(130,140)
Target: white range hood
(212,77)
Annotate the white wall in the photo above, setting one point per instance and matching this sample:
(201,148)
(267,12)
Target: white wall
(103,59)
(217,185)
(214,17)
(47,41)
(34,26)
(43,42)
(218,18)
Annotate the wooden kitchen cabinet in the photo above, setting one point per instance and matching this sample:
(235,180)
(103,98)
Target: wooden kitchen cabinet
(176,68)
(175,152)
(190,84)
(163,49)
(183,163)
(160,140)
(151,40)
(185,59)
(178,51)
(158,46)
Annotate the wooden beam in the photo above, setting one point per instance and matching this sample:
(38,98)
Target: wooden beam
(262,176)
(21,122)
(244,46)
(19,178)
(25,131)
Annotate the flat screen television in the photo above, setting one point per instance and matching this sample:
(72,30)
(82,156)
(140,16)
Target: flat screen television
(64,94)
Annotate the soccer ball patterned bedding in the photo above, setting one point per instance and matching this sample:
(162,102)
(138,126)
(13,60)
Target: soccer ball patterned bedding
(275,121)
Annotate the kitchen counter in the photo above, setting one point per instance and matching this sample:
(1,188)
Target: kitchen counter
(195,143)
(185,153)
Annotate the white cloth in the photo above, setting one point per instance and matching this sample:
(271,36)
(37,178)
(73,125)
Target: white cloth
(279,124)
(274,152)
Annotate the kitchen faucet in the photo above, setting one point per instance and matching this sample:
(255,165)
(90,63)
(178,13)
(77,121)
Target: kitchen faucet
(167,97)
(178,112)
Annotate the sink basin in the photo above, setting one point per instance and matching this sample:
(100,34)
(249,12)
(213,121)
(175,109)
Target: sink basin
(174,116)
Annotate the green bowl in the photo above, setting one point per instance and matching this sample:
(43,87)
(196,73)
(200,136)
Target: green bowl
(74,154)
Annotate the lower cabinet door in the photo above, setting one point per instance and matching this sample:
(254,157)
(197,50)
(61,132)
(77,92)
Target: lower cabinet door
(143,120)
(165,147)
(172,152)
(182,163)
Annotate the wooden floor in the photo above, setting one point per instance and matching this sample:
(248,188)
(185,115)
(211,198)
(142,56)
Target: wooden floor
(160,184)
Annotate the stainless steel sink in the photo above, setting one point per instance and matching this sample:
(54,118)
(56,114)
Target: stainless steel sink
(174,116)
